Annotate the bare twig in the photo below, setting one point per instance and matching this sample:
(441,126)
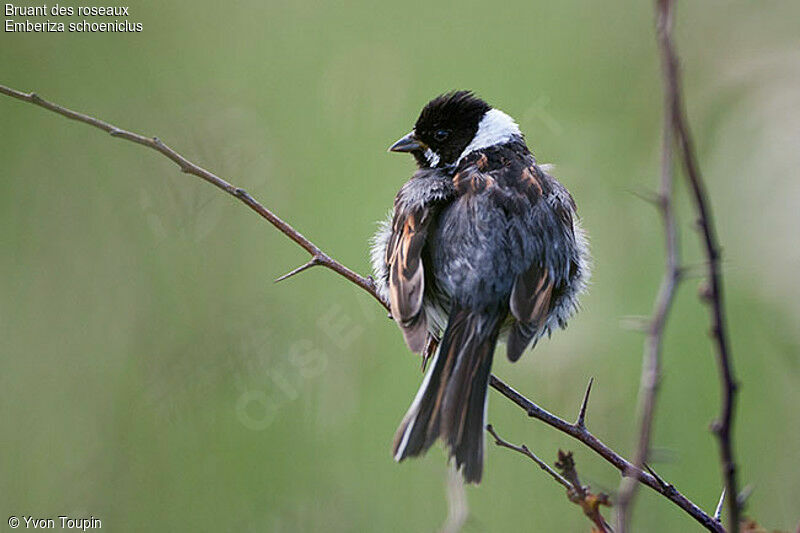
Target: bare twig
(576,492)
(526,452)
(581,495)
(367,284)
(723,427)
(318,256)
(651,365)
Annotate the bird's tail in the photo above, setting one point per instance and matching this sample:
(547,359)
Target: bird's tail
(451,402)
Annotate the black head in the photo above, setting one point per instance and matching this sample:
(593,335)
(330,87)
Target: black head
(445,127)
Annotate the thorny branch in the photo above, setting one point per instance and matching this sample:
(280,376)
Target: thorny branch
(651,365)
(581,433)
(578,430)
(318,257)
(577,493)
(723,427)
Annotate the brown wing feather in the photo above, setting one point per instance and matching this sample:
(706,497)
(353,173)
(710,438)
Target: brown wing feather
(533,288)
(530,297)
(407,276)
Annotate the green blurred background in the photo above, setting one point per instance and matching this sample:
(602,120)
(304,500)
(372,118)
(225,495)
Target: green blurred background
(154,377)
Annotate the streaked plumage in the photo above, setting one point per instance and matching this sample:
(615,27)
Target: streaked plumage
(482,244)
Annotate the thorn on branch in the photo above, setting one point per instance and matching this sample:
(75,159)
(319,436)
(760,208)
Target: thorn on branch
(115,132)
(581,422)
(651,197)
(744,495)
(718,510)
(663,484)
(314,261)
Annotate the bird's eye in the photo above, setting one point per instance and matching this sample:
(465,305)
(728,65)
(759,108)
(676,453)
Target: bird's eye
(441,135)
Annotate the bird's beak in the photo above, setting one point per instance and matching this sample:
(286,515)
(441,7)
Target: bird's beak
(409,143)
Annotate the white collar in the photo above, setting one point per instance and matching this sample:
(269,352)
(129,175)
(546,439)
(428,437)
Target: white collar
(495,128)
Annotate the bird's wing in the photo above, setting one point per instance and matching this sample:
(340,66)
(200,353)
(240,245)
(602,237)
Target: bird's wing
(415,208)
(407,274)
(533,288)
(537,287)
(530,297)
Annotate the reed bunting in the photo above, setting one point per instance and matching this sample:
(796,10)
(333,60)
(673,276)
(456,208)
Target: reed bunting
(482,245)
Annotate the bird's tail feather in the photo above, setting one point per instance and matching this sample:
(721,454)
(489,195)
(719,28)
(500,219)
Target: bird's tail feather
(451,402)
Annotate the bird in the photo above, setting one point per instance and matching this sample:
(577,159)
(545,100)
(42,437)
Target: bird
(482,245)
